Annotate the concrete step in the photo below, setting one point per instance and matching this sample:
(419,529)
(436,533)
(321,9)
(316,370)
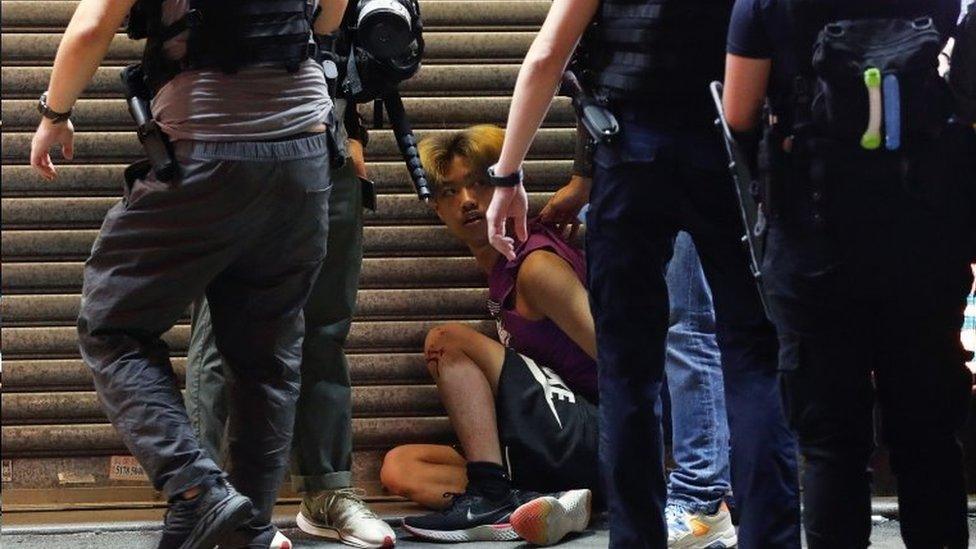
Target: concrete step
(370,336)
(28,82)
(448,303)
(94,180)
(91,439)
(123,146)
(55,14)
(441,47)
(87,213)
(425,112)
(54,375)
(83,407)
(390,272)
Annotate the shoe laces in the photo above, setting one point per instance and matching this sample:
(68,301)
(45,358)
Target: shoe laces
(674,515)
(352,498)
(457,498)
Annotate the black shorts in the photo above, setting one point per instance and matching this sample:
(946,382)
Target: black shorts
(549,435)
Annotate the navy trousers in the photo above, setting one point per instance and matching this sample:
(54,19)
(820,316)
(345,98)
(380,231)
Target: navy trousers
(649,184)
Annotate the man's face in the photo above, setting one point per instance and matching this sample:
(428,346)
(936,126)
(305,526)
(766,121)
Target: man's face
(461,201)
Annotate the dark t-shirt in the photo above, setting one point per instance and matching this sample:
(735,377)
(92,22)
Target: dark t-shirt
(763,29)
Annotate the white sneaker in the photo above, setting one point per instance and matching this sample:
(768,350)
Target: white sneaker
(699,530)
(547,520)
(280,542)
(341,515)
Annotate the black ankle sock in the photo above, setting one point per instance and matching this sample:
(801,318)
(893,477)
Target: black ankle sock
(488,479)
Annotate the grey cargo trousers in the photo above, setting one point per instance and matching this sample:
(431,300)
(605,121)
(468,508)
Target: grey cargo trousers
(245,223)
(322,445)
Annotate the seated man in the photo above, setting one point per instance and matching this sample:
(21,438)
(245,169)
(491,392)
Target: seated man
(506,402)
(518,420)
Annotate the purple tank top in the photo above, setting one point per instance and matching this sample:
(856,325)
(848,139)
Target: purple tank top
(541,340)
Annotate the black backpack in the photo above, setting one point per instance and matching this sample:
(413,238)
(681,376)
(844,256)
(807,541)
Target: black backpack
(962,69)
(871,82)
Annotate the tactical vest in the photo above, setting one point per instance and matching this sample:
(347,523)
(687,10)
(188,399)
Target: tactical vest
(224,34)
(650,50)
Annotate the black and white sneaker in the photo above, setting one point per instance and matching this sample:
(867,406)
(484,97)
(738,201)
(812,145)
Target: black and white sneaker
(206,520)
(471,517)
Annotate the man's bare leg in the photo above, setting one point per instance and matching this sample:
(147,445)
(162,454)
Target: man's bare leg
(466,366)
(424,473)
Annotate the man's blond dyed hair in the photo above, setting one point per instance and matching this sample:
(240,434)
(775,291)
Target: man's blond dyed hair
(479,145)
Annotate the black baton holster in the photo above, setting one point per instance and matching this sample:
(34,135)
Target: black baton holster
(159,151)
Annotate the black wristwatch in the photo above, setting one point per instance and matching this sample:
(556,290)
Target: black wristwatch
(46,111)
(510,180)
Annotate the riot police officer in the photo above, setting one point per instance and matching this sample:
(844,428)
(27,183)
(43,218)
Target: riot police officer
(244,219)
(651,62)
(866,270)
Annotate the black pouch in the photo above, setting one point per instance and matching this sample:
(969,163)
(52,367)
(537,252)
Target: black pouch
(905,49)
(337,148)
(137,170)
(369,194)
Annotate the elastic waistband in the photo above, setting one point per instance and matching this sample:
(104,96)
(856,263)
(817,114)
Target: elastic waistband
(303,145)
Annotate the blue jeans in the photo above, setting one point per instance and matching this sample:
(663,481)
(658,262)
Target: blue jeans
(700,430)
(648,185)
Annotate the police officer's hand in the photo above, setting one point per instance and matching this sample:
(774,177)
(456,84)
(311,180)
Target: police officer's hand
(564,207)
(508,202)
(47,135)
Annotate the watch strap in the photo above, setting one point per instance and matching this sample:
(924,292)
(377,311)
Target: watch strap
(49,113)
(510,180)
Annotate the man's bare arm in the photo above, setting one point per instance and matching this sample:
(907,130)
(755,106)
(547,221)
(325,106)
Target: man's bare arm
(745,88)
(537,83)
(331,16)
(82,49)
(85,43)
(550,287)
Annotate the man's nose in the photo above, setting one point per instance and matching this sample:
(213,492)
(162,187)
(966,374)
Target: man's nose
(468,197)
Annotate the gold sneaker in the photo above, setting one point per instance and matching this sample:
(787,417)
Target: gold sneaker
(342,515)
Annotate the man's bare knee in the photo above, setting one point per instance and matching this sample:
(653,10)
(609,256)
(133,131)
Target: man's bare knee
(441,341)
(393,470)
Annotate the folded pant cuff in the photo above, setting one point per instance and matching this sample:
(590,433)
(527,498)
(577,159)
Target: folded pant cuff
(328,481)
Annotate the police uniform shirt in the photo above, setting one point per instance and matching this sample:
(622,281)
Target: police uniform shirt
(762,29)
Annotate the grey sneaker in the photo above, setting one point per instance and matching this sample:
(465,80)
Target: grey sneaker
(342,515)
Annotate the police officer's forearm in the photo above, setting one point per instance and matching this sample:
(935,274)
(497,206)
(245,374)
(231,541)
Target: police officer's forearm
(540,75)
(85,43)
(330,16)
(744,91)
